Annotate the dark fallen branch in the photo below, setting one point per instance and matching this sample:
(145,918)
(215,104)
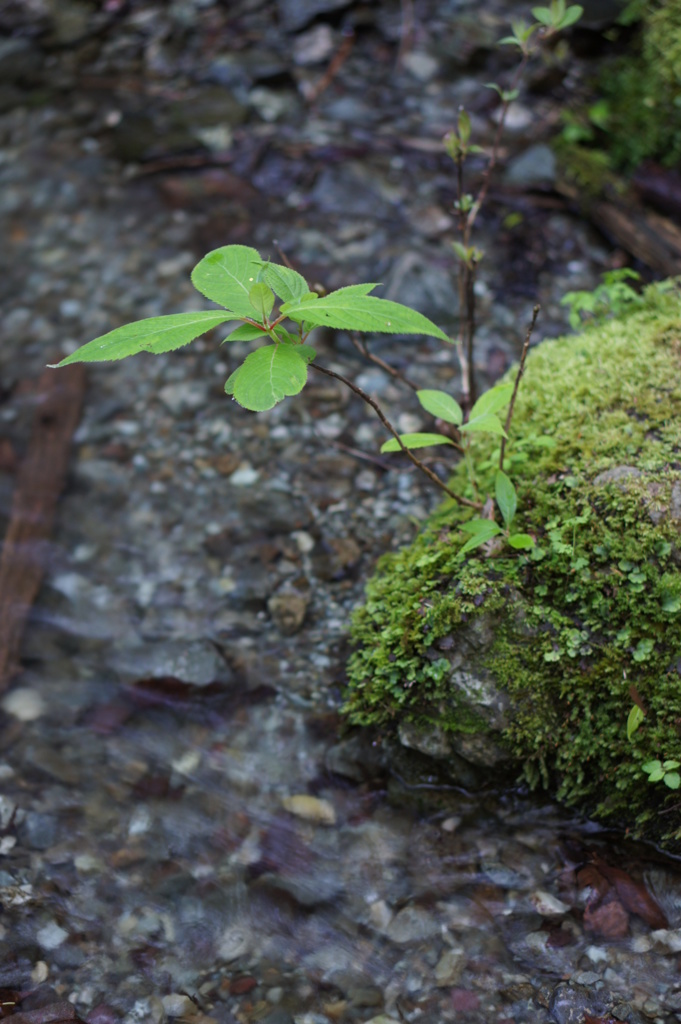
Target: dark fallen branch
(40,481)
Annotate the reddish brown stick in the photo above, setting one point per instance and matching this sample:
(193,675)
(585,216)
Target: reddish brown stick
(40,481)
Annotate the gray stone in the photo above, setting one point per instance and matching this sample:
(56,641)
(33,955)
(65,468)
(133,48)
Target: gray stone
(38,831)
(570,1002)
(412,924)
(295,14)
(536,166)
(287,608)
(196,662)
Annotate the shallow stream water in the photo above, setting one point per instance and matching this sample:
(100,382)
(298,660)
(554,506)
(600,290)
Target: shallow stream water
(188,830)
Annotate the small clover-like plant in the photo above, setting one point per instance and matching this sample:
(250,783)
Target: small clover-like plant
(612,298)
(663,771)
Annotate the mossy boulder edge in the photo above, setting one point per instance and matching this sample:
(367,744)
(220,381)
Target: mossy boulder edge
(527,664)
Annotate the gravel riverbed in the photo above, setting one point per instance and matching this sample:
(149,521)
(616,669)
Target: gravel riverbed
(187,831)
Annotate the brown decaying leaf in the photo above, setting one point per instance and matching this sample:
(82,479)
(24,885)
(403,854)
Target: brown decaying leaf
(608,919)
(633,895)
(590,1019)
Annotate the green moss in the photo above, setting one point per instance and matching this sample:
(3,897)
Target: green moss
(565,629)
(637,115)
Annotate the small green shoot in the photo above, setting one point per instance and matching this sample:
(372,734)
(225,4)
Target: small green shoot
(634,719)
(663,771)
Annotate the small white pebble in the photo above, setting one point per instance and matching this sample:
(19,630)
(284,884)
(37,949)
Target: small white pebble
(547,905)
(311,808)
(51,936)
(25,704)
(178,1005)
(40,972)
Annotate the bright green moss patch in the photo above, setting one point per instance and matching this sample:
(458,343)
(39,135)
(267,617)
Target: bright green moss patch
(566,629)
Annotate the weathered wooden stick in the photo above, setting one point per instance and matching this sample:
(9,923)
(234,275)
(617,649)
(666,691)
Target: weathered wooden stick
(40,481)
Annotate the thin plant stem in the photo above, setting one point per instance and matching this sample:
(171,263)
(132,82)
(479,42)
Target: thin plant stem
(487,174)
(388,425)
(362,347)
(516,384)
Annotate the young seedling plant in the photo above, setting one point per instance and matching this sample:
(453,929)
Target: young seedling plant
(274,304)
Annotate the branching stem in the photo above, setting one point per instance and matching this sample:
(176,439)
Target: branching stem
(388,425)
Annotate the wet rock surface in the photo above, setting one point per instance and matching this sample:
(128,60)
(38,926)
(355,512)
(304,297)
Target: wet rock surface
(185,834)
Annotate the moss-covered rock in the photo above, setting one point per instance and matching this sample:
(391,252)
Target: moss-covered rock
(529,662)
(635,110)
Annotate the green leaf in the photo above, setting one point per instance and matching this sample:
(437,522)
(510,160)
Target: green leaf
(306,352)
(227,275)
(673,780)
(415,441)
(157,334)
(482,526)
(572,15)
(441,405)
(353,309)
(671,765)
(635,718)
(268,375)
(247,332)
(656,775)
(521,541)
(461,251)
(487,424)
(231,381)
(482,530)
(288,284)
(543,15)
(464,127)
(643,650)
(261,297)
(671,603)
(493,400)
(652,766)
(506,496)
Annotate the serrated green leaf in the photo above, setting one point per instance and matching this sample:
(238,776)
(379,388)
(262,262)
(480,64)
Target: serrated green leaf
(634,720)
(156,334)
(227,275)
(288,284)
(231,381)
(268,375)
(673,780)
(521,541)
(441,405)
(247,332)
(506,496)
(492,400)
(487,424)
(306,352)
(353,309)
(261,298)
(415,441)
(349,292)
